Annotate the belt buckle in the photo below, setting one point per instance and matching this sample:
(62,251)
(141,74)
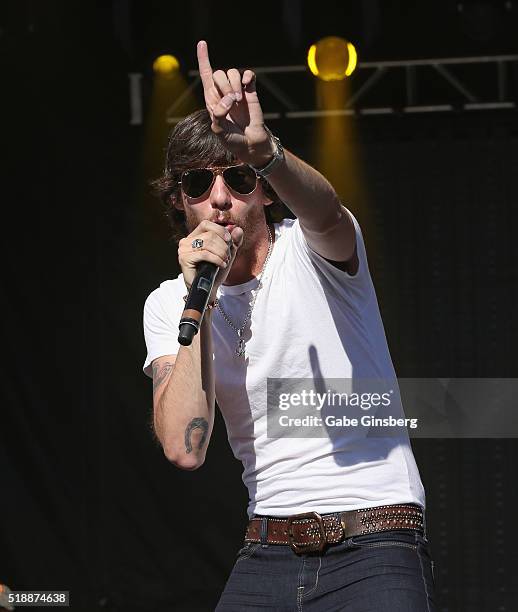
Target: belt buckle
(310,546)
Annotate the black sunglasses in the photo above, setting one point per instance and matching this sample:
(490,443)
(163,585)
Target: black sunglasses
(197,181)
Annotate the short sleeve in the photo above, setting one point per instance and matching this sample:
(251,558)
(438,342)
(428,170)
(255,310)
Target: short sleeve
(359,284)
(162,312)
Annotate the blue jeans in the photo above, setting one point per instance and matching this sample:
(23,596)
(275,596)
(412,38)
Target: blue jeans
(383,572)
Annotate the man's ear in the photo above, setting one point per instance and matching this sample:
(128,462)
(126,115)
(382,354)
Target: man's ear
(177,201)
(268,200)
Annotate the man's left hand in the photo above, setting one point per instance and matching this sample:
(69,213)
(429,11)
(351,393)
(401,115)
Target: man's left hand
(237,117)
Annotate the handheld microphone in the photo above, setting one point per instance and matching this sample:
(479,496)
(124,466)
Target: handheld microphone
(196,302)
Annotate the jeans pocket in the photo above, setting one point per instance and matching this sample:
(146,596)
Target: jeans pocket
(247,551)
(385,539)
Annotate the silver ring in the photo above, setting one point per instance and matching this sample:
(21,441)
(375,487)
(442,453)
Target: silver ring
(197,243)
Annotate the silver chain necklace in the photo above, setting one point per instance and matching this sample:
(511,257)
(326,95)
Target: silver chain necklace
(240,349)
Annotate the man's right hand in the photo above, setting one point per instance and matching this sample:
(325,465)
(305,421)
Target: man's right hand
(219,247)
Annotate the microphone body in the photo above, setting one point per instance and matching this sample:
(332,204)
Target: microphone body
(196,303)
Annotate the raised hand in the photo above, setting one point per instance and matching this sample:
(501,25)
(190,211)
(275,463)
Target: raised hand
(233,104)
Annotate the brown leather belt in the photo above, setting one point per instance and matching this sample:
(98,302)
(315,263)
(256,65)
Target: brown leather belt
(311,531)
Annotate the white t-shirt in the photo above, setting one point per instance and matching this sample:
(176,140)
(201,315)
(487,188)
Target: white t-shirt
(310,321)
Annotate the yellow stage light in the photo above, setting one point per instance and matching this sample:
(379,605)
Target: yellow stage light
(166,65)
(332,58)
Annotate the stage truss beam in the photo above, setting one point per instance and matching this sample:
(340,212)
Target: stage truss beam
(495,95)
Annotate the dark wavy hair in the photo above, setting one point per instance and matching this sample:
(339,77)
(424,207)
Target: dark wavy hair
(192,144)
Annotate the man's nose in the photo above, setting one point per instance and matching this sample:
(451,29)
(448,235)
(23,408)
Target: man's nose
(220,196)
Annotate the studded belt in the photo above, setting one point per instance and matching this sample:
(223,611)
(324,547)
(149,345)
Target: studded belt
(311,531)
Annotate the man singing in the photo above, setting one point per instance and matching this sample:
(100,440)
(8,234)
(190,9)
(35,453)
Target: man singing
(336,522)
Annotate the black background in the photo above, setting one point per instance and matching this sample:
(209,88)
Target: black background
(88,502)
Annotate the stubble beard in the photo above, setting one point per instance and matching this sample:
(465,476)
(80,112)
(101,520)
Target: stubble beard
(253,226)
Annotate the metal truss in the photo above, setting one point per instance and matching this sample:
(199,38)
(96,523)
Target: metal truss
(375,88)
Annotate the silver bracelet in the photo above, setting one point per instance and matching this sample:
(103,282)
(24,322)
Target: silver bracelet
(278,157)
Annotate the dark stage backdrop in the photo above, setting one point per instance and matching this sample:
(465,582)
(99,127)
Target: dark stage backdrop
(88,502)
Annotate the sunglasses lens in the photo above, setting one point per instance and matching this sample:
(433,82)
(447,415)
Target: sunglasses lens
(196,182)
(241,179)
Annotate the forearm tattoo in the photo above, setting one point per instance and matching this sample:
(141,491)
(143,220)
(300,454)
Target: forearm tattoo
(196,423)
(160,373)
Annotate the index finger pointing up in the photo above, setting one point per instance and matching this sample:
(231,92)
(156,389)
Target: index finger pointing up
(204,65)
